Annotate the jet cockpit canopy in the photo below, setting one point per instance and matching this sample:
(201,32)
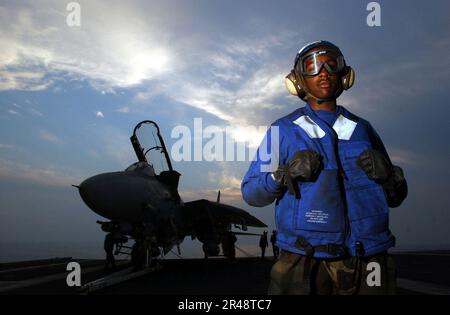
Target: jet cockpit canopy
(149,146)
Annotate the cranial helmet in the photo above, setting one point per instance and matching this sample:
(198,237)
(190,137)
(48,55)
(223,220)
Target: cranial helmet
(307,64)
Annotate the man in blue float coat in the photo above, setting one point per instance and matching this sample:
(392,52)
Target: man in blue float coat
(333,183)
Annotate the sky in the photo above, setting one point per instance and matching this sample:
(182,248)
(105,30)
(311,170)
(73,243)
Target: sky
(70,97)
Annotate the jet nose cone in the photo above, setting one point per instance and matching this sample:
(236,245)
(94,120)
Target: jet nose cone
(110,194)
(90,191)
(117,195)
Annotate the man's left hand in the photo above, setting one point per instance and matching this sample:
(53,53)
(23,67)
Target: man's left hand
(375,165)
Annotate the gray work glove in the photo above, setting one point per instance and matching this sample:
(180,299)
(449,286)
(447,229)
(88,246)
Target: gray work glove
(305,165)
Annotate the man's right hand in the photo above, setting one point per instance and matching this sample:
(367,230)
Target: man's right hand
(305,165)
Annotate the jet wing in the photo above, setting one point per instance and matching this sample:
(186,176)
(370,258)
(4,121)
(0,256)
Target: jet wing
(220,213)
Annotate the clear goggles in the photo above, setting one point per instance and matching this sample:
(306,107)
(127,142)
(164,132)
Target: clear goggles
(311,64)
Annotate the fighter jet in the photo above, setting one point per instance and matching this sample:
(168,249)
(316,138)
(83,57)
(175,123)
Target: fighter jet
(143,203)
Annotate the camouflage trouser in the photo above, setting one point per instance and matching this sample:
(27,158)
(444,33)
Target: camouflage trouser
(325,277)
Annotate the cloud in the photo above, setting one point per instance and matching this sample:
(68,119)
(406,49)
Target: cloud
(49,176)
(243,108)
(23,80)
(237,78)
(49,137)
(31,111)
(405,157)
(190,195)
(256,75)
(225,180)
(124,109)
(244,85)
(99,114)
(36,112)
(13,112)
(238,105)
(233,58)
(37,47)
(7,146)
(399,80)
(115,145)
